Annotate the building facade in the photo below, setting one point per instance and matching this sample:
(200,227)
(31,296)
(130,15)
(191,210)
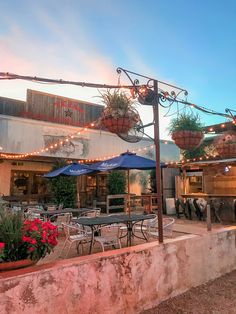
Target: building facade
(45,128)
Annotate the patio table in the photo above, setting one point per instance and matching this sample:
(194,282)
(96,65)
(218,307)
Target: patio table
(129,221)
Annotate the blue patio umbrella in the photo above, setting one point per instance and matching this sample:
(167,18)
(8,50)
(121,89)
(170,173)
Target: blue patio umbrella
(125,161)
(73,169)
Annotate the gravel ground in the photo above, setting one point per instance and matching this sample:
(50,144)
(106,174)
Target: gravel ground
(216,297)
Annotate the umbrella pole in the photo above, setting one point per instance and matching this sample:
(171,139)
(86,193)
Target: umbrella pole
(128,203)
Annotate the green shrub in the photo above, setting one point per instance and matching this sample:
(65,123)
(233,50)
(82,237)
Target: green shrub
(11,226)
(116,184)
(63,188)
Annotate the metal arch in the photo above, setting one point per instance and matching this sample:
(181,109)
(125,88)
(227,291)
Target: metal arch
(161,95)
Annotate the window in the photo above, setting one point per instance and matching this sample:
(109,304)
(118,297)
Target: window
(27,184)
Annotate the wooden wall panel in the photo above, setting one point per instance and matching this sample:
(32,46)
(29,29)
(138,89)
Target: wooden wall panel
(51,108)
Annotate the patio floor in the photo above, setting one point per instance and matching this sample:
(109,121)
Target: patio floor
(181,227)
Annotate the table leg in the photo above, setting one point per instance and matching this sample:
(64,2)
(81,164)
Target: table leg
(92,240)
(144,235)
(129,233)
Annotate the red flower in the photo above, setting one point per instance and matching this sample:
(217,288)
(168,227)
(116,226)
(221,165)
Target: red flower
(31,249)
(33,228)
(33,241)
(2,245)
(26,239)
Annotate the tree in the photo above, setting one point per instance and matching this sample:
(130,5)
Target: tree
(63,187)
(116,184)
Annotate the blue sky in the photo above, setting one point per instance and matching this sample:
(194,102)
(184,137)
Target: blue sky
(188,43)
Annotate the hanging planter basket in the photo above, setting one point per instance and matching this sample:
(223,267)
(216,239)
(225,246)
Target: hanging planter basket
(226,145)
(119,115)
(187,140)
(118,124)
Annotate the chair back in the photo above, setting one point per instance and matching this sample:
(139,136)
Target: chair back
(93,213)
(109,233)
(51,207)
(70,230)
(63,218)
(168,224)
(31,215)
(60,206)
(66,229)
(151,222)
(202,203)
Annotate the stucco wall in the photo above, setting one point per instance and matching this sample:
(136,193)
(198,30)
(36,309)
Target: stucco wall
(121,281)
(7,166)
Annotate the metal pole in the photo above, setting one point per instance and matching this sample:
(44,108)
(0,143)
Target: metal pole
(128,183)
(158,162)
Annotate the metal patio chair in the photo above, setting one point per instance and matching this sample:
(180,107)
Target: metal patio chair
(168,224)
(74,234)
(109,236)
(143,227)
(59,219)
(180,207)
(92,213)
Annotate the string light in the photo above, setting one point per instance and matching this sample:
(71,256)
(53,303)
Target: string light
(51,146)
(60,142)
(145,148)
(196,159)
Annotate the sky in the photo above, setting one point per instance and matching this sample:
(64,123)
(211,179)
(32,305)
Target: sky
(191,44)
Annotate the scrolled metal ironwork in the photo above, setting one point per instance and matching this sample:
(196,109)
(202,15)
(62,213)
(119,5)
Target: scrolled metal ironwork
(145,93)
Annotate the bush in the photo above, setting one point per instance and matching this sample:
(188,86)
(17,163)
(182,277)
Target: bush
(63,188)
(117,185)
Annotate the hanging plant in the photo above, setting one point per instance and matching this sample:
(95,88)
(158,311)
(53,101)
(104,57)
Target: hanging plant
(226,144)
(119,114)
(186,131)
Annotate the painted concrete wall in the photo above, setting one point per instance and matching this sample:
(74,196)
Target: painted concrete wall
(129,280)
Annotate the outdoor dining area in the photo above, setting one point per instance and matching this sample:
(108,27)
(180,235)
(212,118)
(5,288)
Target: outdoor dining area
(83,231)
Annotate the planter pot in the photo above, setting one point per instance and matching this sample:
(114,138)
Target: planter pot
(226,150)
(17,264)
(117,125)
(187,140)
(226,144)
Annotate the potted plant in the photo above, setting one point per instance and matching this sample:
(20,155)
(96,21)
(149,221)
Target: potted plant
(226,144)
(24,242)
(186,131)
(119,114)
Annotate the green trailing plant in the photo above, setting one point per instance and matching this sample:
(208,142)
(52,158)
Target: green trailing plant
(205,149)
(196,153)
(63,188)
(119,104)
(116,184)
(184,122)
(24,239)
(11,245)
(117,100)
